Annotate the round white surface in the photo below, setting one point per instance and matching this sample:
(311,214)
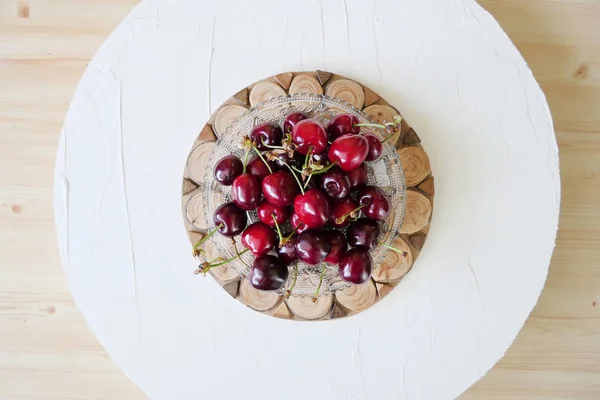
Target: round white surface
(457,78)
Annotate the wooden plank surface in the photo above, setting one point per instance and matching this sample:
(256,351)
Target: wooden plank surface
(48,352)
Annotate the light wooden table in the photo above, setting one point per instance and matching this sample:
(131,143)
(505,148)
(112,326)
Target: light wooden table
(48,352)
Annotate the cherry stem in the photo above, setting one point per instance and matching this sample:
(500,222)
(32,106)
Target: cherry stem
(271,147)
(323,269)
(402,252)
(205,238)
(310,149)
(307,181)
(322,171)
(341,219)
(286,239)
(295,177)
(263,159)
(281,240)
(245,161)
(371,125)
(288,292)
(205,267)
(240,254)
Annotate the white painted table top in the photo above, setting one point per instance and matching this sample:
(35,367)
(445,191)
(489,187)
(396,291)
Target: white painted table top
(456,77)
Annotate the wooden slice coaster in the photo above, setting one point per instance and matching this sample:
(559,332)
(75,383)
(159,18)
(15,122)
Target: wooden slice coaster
(418,200)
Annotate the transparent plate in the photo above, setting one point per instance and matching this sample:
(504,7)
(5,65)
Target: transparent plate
(386,173)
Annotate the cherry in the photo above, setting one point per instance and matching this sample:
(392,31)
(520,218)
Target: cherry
(283,158)
(259,238)
(265,135)
(291,121)
(311,247)
(314,183)
(245,192)
(258,168)
(266,211)
(321,159)
(363,234)
(376,202)
(358,176)
(227,169)
(356,266)
(312,208)
(336,184)
(229,219)
(338,244)
(280,188)
(349,151)
(343,124)
(268,273)
(307,134)
(375,147)
(298,224)
(342,212)
(287,252)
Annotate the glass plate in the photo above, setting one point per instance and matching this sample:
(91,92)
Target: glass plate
(386,173)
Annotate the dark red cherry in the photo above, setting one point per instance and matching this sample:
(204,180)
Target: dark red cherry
(311,247)
(227,169)
(287,252)
(342,209)
(335,183)
(343,124)
(363,234)
(258,168)
(309,133)
(297,223)
(377,203)
(356,266)
(321,159)
(266,211)
(266,133)
(349,151)
(358,176)
(291,121)
(280,188)
(283,158)
(338,244)
(245,192)
(314,183)
(268,273)
(230,219)
(312,208)
(259,238)
(375,147)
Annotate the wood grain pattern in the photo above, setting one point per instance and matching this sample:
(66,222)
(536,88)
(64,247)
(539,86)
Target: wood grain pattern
(48,352)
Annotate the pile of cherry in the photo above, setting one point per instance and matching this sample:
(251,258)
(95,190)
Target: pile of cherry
(308,184)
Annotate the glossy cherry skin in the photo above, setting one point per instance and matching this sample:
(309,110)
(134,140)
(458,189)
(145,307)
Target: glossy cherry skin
(245,192)
(311,247)
(343,124)
(314,183)
(363,234)
(309,133)
(375,147)
(258,168)
(259,238)
(335,183)
(268,273)
(321,159)
(227,169)
(377,203)
(337,241)
(266,211)
(349,151)
(358,176)
(287,252)
(297,223)
(280,188)
(312,208)
(291,121)
(266,133)
(232,219)
(282,159)
(356,266)
(340,209)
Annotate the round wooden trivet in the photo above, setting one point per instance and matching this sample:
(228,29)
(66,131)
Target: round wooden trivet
(419,197)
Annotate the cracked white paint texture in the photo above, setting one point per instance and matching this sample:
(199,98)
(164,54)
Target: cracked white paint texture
(459,81)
